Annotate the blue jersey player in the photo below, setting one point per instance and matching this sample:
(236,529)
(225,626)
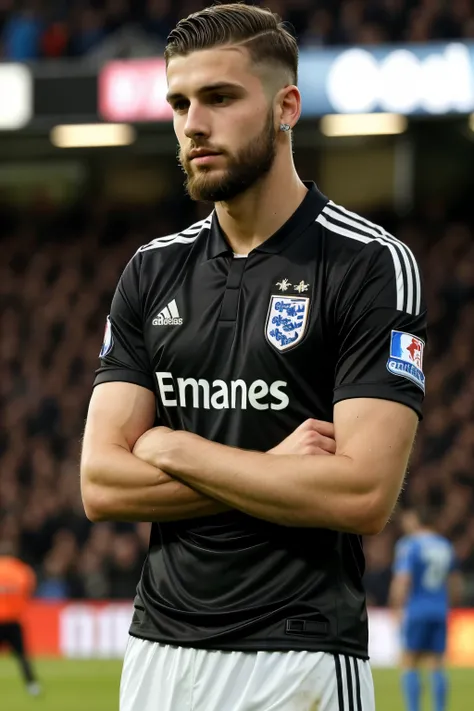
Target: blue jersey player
(425,583)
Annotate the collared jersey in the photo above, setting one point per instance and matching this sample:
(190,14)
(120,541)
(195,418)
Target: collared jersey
(241,351)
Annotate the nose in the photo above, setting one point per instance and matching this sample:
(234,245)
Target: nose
(197,124)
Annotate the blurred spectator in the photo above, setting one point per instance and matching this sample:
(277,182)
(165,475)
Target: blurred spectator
(88,29)
(125,566)
(378,574)
(159,19)
(17,583)
(55,40)
(56,303)
(319,30)
(22,32)
(30,33)
(56,579)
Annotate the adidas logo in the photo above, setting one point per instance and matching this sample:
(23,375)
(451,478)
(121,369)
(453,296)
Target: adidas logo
(169,316)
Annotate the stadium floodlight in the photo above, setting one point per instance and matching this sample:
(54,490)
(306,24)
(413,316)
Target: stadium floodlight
(337,125)
(16,89)
(92,135)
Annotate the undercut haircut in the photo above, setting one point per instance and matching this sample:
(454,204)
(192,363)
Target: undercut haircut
(261,31)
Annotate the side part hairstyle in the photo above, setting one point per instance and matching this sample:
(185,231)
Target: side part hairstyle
(261,31)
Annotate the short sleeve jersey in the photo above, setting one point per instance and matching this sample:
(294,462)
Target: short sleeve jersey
(428,559)
(242,351)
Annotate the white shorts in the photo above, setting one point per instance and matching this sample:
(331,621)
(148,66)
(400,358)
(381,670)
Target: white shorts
(158,677)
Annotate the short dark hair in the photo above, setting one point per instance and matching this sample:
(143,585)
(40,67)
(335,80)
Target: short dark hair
(261,31)
(428,515)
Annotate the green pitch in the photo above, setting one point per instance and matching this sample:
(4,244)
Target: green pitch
(93,686)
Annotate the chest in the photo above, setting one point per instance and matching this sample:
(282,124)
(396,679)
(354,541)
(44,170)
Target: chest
(252,316)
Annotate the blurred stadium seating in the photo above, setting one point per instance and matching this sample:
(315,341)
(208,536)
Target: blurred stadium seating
(58,29)
(60,262)
(57,277)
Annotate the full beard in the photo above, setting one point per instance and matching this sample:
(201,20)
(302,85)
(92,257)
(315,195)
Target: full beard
(244,169)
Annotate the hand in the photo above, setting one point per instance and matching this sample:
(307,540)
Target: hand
(312,437)
(151,444)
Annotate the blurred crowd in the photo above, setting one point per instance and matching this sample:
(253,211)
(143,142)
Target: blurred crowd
(57,275)
(32,29)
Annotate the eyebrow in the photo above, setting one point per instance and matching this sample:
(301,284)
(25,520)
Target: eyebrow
(218,86)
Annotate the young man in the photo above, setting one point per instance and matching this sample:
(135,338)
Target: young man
(231,336)
(17,584)
(425,582)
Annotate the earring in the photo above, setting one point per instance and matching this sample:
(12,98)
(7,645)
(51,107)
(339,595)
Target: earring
(285,127)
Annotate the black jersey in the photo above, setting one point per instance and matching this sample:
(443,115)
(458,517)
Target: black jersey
(242,351)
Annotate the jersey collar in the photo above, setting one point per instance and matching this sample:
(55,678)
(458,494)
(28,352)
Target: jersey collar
(305,214)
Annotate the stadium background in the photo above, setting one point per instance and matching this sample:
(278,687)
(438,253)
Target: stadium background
(88,173)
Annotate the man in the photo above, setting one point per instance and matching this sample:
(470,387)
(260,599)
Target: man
(17,583)
(231,336)
(424,581)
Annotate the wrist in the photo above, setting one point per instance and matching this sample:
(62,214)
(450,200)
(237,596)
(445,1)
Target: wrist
(174,458)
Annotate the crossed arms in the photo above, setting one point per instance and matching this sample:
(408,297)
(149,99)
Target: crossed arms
(131,471)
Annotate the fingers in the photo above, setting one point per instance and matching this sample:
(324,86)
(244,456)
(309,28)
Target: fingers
(326,444)
(324,428)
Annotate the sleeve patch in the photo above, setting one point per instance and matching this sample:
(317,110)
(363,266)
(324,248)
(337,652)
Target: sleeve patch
(406,357)
(108,339)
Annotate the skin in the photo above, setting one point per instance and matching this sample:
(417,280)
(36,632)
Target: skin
(117,482)
(229,120)
(132,472)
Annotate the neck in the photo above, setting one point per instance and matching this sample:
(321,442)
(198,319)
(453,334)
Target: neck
(251,218)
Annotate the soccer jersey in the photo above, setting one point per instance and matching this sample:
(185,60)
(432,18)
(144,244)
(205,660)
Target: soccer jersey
(428,558)
(17,583)
(241,351)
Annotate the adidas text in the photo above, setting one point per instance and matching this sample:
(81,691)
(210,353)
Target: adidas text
(169,316)
(161,320)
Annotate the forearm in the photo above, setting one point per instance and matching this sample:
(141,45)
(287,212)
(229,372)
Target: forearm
(301,491)
(398,594)
(117,486)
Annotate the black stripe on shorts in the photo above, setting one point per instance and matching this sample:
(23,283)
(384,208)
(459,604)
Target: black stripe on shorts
(357,682)
(350,693)
(340,688)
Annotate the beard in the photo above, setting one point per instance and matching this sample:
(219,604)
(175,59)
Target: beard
(244,169)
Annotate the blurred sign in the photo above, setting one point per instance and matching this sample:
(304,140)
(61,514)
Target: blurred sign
(431,79)
(134,90)
(461,638)
(91,630)
(16,90)
(86,631)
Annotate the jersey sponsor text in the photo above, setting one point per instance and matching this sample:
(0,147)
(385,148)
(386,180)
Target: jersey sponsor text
(220,395)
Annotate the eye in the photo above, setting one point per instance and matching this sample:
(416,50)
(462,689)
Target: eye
(180,105)
(220,99)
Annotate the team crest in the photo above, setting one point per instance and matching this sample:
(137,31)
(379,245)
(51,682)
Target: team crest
(286,321)
(108,340)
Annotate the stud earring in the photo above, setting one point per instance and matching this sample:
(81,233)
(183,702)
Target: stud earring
(285,127)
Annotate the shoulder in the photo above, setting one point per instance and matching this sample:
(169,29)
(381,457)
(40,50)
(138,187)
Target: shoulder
(448,545)
(162,256)
(373,258)
(177,240)
(357,234)
(405,546)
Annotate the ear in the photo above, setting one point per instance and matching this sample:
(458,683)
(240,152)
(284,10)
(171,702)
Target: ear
(288,106)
